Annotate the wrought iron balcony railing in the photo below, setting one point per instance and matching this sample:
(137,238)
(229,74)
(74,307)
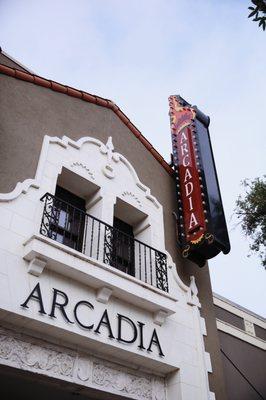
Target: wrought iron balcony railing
(73,227)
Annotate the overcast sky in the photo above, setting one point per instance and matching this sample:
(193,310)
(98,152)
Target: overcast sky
(137,53)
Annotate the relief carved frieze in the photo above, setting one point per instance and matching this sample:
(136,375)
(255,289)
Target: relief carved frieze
(128,383)
(24,352)
(26,355)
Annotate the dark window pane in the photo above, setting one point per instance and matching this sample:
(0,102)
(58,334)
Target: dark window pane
(68,219)
(123,256)
(229,317)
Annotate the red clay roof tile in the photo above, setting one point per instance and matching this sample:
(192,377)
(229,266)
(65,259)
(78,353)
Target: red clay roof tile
(88,97)
(122,116)
(74,92)
(7,70)
(156,155)
(146,143)
(24,76)
(113,106)
(39,81)
(101,102)
(57,87)
(135,130)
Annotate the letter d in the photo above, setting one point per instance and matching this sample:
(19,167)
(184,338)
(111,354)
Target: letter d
(189,188)
(133,326)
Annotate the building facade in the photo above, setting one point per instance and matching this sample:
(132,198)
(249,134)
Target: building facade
(95,299)
(243,343)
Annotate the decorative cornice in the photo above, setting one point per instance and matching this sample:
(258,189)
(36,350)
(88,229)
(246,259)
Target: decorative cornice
(90,98)
(105,149)
(21,187)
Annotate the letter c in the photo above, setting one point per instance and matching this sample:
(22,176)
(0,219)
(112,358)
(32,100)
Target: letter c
(186,164)
(75,313)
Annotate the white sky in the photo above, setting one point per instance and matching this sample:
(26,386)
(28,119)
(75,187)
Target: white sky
(137,53)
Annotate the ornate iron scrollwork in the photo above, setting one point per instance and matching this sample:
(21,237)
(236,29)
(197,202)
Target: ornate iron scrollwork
(74,228)
(108,245)
(50,216)
(161,271)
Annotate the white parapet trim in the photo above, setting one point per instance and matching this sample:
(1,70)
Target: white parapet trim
(239,311)
(238,333)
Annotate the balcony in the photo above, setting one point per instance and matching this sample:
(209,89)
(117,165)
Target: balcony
(72,227)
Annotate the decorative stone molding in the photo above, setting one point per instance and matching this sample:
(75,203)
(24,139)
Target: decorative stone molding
(158,389)
(159,317)
(36,266)
(103,295)
(129,384)
(249,327)
(193,294)
(17,351)
(108,149)
(24,352)
(172,267)
(131,196)
(21,187)
(77,164)
(65,142)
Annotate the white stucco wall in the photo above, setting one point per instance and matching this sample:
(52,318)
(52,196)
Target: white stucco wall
(28,258)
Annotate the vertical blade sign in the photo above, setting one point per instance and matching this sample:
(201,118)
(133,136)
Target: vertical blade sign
(194,228)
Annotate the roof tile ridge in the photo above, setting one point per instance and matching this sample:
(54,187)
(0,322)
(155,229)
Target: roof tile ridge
(101,101)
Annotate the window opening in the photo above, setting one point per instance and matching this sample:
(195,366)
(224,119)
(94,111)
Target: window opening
(123,247)
(67,219)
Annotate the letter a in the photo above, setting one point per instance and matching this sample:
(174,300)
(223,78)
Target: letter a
(37,296)
(183,137)
(105,322)
(61,306)
(187,175)
(193,221)
(155,340)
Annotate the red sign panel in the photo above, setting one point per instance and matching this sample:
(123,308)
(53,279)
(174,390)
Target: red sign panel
(185,156)
(189,182)
(202,231)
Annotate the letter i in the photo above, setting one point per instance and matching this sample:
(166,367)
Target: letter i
(140,346)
